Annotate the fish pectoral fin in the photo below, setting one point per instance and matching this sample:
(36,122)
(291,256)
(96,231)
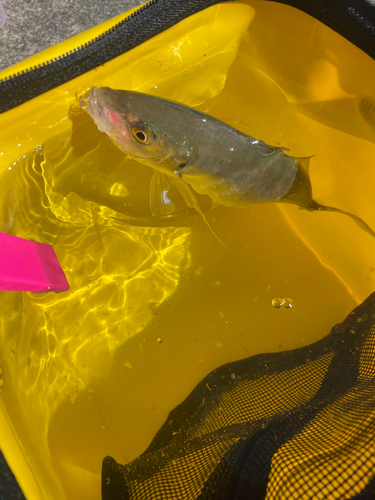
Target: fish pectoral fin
(191,201)
(160,201)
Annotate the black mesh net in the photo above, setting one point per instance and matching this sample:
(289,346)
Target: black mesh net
(293,425)
(9,489)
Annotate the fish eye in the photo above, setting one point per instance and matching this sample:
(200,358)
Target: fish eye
(142,134)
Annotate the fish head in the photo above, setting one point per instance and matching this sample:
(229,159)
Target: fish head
(141,126)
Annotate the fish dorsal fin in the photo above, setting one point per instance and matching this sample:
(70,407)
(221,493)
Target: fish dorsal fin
(301,192)
(272,149)
(191,200)
(160,202)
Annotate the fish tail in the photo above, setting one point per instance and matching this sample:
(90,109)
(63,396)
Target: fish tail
(304,164)
(362,224)
(300,192)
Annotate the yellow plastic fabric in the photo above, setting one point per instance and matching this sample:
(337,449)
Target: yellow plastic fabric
(153,307)
(65,47)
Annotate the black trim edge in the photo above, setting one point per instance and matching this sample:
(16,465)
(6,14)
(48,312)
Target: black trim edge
(353,19)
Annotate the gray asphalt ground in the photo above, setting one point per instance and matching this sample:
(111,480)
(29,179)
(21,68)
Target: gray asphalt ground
(35,25)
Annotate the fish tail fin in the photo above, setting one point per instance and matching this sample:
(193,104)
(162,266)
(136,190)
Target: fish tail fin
(360,223)
(300,192)
(304,164)
(192,202)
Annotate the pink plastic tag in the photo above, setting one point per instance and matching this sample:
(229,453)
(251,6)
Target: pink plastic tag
(29,266)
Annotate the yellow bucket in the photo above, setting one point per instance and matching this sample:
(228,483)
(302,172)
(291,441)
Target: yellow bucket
(156,304)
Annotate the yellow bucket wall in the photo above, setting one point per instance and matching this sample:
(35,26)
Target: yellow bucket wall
(153,307)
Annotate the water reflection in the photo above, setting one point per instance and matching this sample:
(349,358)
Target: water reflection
(119,273)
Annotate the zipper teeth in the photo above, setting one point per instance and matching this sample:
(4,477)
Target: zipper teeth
(84,46)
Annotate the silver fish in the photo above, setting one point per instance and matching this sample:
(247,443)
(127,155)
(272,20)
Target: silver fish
(201,152)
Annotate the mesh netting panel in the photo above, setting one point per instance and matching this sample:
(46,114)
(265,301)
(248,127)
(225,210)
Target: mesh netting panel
(292,425)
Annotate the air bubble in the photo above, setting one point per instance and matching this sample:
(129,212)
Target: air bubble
(1,384)
(160,340)
(277,303)
(287,303)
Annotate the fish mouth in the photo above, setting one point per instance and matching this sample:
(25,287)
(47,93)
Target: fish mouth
(93,100)
(85,99)
(92,104)
(99,109)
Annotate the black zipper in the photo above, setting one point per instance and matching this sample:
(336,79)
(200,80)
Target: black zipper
(353,19)
(85,45)
(148,21)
